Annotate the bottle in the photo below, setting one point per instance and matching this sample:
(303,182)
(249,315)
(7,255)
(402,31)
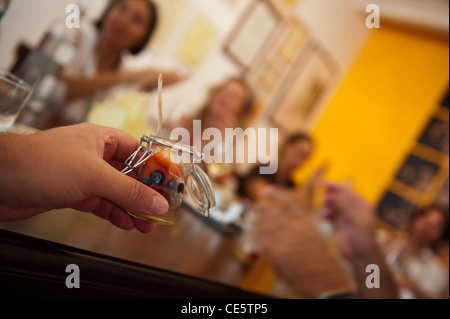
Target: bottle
(44,65)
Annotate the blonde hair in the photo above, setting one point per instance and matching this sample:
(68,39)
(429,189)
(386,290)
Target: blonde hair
(247,105)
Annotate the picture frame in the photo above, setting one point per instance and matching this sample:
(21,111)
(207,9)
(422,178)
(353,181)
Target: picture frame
(252,35)
(418,173)
(290,3)
(436,135)
(267,80)
(446,101)
(267,77)
(303,90)
(198,42)
(423,178)
(293,40)
(442,198)
(395,210)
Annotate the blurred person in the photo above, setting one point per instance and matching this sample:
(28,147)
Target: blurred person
(292,155)
(289,238)
(74,167)
(228,105)
(125,28)
(414,254)
(354,224)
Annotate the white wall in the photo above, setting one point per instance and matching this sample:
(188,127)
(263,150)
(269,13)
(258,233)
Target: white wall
(338,25)
(26,21)
(216,66)
(425,14)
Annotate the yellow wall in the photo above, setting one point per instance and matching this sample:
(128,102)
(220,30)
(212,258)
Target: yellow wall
(381,108)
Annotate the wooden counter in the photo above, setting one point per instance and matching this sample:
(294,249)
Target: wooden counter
(190,248)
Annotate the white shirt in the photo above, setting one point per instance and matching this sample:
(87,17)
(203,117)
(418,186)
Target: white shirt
(84,64)
(424,269)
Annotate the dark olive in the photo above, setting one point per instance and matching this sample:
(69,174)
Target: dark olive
(156,177)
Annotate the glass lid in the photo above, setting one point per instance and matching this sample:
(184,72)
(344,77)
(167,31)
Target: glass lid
(200,190)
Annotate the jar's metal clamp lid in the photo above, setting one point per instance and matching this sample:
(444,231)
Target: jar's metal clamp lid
(145,147)
(199,186)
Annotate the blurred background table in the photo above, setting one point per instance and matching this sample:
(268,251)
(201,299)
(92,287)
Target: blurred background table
(191,247)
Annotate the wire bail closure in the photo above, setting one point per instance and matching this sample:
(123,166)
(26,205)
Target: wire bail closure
(145,157)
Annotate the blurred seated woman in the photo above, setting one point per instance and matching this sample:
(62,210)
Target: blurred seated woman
(125,27)
(292,155)
(413,255)
(228,106)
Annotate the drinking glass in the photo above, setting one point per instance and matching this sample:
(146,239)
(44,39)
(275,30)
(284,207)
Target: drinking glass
(14,95)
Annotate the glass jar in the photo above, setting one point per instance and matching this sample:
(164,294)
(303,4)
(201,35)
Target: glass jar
(170,168)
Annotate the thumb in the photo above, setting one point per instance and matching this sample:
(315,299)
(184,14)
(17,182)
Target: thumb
(128,193)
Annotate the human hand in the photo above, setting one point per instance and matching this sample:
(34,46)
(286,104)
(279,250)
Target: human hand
(148,79)
(171,78)
(353,219)
(289,238)
(74,167)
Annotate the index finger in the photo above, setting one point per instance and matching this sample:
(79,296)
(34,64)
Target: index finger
(119,145)
(330,185)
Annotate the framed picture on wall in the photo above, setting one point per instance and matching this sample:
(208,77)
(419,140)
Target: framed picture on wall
(436,135)
(418,173)
(303,89)
(395,210)
(442,198)
(293,40)
(252,34)
(268,75)
(445,101)
(267,79)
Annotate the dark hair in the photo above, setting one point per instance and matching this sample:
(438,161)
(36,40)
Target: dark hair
(151,30)
(425,210)
(4,10)
(298,137)
(249,98)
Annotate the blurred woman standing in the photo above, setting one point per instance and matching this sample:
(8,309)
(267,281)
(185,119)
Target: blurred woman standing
(125,28)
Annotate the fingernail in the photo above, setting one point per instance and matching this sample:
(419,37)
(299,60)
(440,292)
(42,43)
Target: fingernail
(160,206)
(268,190)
